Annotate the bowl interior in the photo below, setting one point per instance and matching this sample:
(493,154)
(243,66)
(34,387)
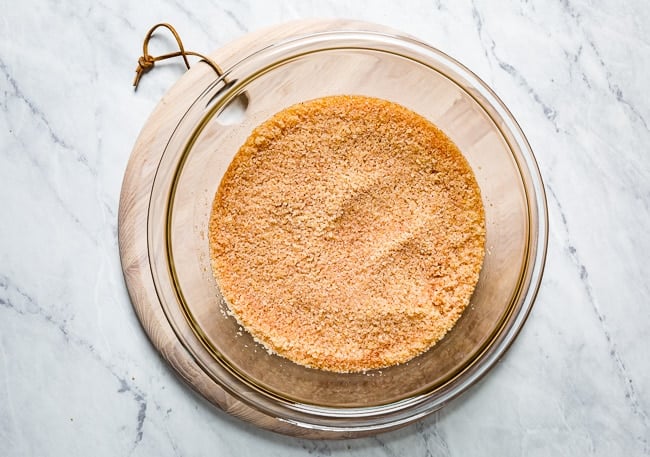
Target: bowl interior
(189,176)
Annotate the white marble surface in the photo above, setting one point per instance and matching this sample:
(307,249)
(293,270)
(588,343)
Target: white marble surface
(78,376)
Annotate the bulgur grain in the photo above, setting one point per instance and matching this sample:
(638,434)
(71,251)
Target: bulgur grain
(347,234)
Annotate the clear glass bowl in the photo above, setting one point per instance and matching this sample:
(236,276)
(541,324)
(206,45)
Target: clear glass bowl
(394,68)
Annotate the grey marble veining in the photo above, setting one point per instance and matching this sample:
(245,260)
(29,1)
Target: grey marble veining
(77,374)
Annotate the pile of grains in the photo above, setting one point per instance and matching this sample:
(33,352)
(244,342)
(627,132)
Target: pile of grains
(347,234)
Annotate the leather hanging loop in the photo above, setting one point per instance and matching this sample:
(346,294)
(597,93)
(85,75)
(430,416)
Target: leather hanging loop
(146,62)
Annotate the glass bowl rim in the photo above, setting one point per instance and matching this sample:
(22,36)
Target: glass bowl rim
(384,416)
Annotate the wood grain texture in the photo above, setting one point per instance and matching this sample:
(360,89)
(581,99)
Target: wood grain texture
(132,218)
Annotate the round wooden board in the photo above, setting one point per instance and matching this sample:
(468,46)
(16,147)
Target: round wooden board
(132,219)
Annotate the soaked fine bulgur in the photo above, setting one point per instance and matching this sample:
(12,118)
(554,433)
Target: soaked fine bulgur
(347,234)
